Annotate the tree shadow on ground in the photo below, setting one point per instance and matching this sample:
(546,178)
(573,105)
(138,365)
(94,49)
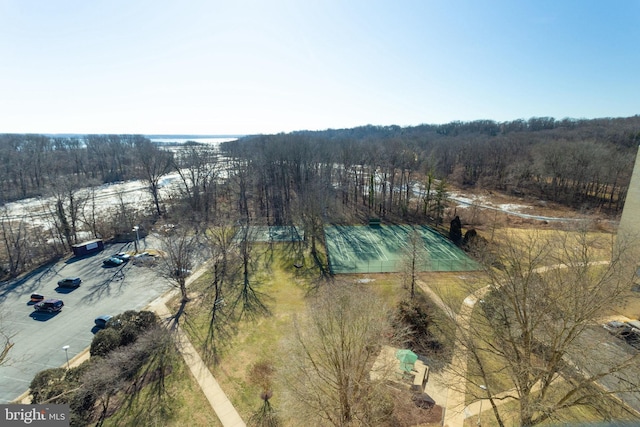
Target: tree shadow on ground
(46,272)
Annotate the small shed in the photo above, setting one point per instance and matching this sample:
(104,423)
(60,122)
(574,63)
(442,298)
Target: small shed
(88,247)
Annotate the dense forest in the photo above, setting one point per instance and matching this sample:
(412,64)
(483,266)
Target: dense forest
(32,164)
(307,178)
(584,164)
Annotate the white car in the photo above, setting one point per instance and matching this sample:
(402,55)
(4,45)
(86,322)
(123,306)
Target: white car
(143,258)
(123,256)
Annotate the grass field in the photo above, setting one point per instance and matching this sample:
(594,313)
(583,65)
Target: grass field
(256,340)
(189,406)
(259,340)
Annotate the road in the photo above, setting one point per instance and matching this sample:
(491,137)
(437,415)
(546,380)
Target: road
(594,352)
(39,338)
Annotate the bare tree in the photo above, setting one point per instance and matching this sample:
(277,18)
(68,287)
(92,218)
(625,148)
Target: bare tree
(312,206)
(66,209)
(15,242)
(330,354)
(122,216)
(220,243)
(89,214)
(155,164)
(198,169)
(415,259)
(179,252)
(249,300)
(261,375)
(5,344)
(533,328)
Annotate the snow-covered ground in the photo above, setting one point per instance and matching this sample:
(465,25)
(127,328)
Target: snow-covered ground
(509,208)
(39,211)
(485,202)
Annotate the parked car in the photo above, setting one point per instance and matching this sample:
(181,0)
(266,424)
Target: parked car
(102,321)
(144,258)
(49,305)
(37,297)
(634,324)
(123,256)
(70,282)
(633,339)
(628,331)
(181,272)
(112,262)
(619,329)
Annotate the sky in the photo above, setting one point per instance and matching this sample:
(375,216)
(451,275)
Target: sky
(246,67)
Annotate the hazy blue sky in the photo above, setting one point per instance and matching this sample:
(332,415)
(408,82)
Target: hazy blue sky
(209,66)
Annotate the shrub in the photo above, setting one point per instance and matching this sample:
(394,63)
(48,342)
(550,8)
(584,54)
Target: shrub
(47,384)
(105,341)
(131,324)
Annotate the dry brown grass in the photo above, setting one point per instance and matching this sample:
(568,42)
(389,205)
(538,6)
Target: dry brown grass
(189,406)
(630,308)
(258,340)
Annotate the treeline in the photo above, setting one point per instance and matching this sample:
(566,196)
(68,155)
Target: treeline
(66,177)
(584,164)
(64,174)
(32,164)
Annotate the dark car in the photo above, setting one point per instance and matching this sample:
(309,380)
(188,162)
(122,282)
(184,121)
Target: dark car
(70,282)
(102,321)
(628,331)
(619,329)
(49,305)
(181,272)
(37,297)
(112,262)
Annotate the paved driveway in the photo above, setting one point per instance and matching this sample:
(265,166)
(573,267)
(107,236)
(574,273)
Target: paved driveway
(39,338)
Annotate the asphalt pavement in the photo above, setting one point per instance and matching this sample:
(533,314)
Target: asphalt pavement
(40,339)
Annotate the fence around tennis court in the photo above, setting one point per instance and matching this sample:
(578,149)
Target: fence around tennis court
(272,233)
(384,249)
(377,266)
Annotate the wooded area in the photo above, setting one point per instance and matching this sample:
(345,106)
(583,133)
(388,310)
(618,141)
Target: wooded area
(584,164)
(308,178)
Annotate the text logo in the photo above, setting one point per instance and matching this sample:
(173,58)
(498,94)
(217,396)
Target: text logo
(34,415)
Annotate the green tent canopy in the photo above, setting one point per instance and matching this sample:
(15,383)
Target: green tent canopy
(407,358)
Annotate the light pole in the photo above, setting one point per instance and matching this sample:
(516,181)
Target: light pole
(136,228)
(484,387)
(66,352)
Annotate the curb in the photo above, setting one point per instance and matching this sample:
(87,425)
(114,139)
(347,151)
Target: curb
(84,355)
(77,360)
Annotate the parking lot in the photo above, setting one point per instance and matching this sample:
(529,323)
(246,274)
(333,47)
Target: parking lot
(39,338)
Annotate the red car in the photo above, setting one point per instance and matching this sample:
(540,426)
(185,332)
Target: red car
(37,297)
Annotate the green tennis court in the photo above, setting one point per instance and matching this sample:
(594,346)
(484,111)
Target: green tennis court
(272,233)
(383,249)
